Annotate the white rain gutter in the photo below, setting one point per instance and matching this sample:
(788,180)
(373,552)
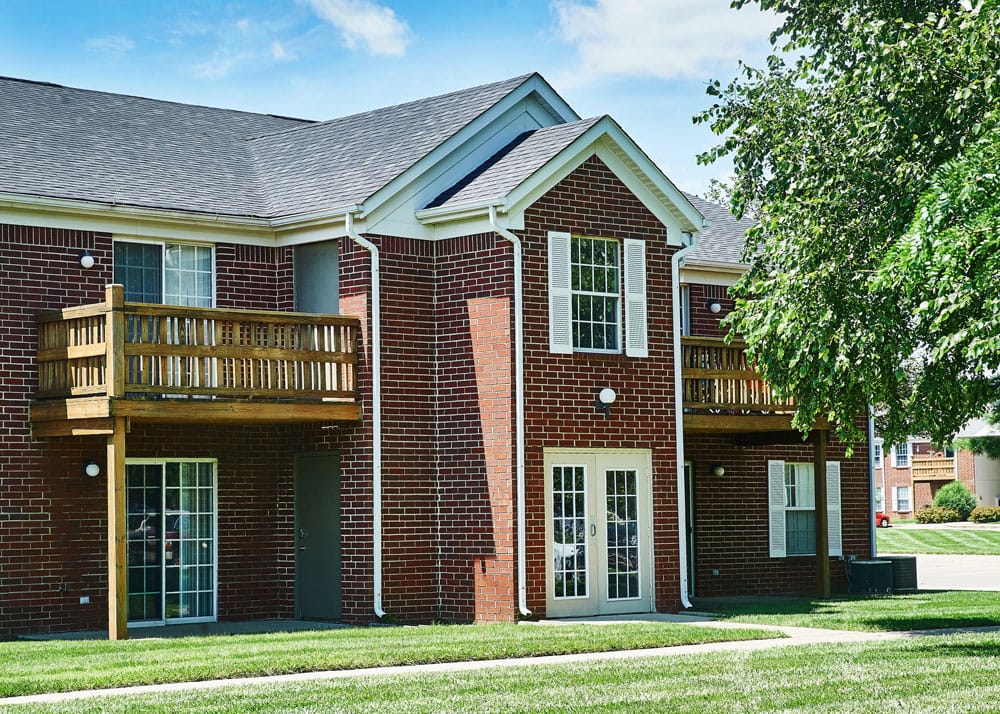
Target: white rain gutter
(871,479)
(522,571)
(376,345)
(675,276)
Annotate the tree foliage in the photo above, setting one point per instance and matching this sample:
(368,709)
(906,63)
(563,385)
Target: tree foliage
(868,149)
(955,495)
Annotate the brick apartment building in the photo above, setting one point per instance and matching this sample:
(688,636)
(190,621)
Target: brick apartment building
(455,359)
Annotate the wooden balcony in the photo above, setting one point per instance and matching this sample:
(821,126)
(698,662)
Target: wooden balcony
(722,392)
(933,468)
(165,363)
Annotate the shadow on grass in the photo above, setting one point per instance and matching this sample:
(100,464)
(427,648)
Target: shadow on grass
(926,610)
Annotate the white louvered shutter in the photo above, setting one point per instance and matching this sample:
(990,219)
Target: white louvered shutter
(776,507)
(636,343)
(560,294)
(833,507)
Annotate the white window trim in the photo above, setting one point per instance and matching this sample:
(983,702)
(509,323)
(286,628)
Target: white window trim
(878,457)
(909,456)
(632,302)
(163,258)
(895,499)
(778,545)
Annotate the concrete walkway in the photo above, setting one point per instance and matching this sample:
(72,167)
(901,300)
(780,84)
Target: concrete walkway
(794,636)
(958,572)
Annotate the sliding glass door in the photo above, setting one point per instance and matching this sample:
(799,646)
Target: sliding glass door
(171,540)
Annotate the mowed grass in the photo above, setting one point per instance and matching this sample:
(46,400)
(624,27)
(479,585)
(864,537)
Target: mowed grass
(942,540)
(922,611)
(59,666)
(928,674)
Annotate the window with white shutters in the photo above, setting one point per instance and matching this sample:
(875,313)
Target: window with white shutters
(792,508)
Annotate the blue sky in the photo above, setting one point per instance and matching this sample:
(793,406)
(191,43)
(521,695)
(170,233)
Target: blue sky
(645,62)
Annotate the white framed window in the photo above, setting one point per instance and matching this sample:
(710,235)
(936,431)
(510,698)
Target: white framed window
(879,499)
(590,279)
(166,273)
(877,454)
(792,508)
(901,499)
(901,456)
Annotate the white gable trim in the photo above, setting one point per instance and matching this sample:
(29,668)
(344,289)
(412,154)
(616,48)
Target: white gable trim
(560,112)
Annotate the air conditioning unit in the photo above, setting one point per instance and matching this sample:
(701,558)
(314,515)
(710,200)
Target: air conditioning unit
(870,577)
(904,573)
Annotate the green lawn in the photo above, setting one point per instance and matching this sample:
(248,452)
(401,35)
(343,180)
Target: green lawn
(929,674)
(923,611)
(57,666)
(955,541)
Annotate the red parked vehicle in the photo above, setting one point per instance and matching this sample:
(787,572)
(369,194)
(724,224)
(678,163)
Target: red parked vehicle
(881,519)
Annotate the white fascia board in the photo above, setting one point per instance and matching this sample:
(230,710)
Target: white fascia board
(132,221)
(535,84)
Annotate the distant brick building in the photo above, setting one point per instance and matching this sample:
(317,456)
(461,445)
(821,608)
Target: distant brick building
(259,367)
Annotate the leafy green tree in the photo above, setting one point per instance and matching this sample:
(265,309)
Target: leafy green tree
(867,148)
(955,495)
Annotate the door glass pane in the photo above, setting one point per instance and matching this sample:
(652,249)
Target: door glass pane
(144,516)
(569,531)
(139,267)
(623,534)
(188,274)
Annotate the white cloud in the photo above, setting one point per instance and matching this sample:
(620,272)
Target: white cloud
(221,63)
(279,52)
(660,38)
(115,45)
(367,23)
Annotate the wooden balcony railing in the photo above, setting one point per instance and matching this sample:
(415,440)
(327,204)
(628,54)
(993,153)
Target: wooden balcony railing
(933,468)
(717,378)
(137,351)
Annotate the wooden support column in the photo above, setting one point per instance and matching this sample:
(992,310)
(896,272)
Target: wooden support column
(114,338)
(117,546)
(822,524)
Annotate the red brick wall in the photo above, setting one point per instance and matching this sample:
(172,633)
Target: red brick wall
(475,428)
(561,389)
(704,322)
(731,518)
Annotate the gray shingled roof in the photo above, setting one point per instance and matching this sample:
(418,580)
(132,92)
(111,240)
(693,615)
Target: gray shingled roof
(93,146)
(513,164)
(722,241)
(68,143)
(344,161)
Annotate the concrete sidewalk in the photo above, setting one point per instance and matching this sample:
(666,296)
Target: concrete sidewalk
(793,636)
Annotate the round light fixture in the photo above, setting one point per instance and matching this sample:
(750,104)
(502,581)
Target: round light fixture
(92,469)
(715,308)
(86,260)
(607,396)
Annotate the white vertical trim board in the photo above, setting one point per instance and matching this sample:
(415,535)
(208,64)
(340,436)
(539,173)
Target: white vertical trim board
(560,294)
(636,343)
(776,507)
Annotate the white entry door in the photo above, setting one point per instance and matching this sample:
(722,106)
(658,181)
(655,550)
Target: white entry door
(597,506)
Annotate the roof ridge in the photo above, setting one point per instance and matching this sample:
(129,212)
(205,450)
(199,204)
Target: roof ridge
(514,81)
(40,83)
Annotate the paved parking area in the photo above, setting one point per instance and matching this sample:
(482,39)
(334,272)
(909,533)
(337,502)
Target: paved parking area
(958,572)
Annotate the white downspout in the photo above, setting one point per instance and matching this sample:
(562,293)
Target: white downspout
(675,276)
(522,571)
(871,479)
(376,345)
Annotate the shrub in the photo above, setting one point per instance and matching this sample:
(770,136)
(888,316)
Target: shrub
(934,514)
(985,514)
(955,495)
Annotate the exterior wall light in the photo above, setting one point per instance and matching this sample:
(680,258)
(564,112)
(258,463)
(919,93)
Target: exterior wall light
(92,469)
(86,260)
(605,399)
(715,308)
(717,470)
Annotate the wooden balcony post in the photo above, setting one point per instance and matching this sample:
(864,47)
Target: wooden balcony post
(114,338)
(117,535)
(822,524)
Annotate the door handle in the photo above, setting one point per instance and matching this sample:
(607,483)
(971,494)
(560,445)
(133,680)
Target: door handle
(593,530)
(302,547)
(302,534)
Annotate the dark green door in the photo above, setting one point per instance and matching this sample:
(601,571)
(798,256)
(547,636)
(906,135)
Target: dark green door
(317,536)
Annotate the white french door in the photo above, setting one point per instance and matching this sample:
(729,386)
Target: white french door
(597,512)
(172,551)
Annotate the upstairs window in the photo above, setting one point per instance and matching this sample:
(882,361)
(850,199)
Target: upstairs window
(589,280)
(877,454)
(901,456)
(165,273)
